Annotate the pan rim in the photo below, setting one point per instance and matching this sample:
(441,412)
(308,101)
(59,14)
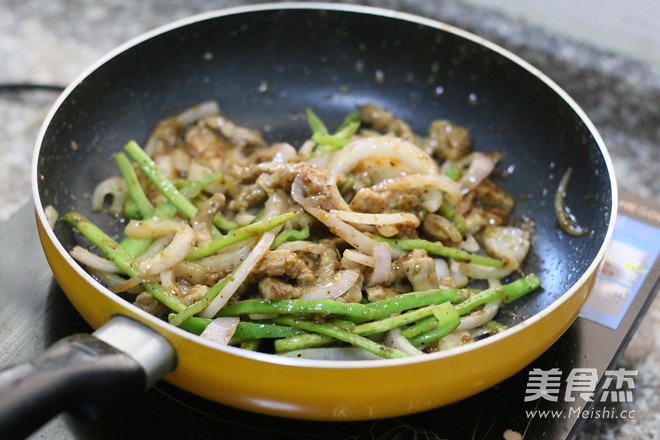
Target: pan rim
(359,9)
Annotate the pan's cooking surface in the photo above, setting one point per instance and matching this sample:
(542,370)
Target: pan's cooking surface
(264,72)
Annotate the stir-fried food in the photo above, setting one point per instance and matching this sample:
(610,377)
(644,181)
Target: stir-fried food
(366,241)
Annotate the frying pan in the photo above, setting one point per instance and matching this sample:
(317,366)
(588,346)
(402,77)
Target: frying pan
(265,64)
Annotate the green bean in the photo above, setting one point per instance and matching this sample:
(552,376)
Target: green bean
(311,340)
(343,335)
(353,117)
(247,331)
(422,326)
(452,171)
(118,255)
(448,211)
(436,248)
(166,210)
(135,190)
(252,345)
(389,323)
(506,292)
(112,250)
(194,324)
(414,300)
(331,142)
(237,235)
(223,223)
(244,331)
(290,235)
(315,123)
(448,319)
(130,209)
(192,188)
(301,341)
(164,185)
(493,327)
(354,311)
(347,185)
(337,141)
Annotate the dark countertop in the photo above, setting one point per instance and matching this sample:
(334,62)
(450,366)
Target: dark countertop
(52,42)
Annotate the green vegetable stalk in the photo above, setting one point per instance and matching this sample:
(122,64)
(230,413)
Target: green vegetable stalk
(164,185)
(436,248)
(336,332)
(122,259)
(240,234)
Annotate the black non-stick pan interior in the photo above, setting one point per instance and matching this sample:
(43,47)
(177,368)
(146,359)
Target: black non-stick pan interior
(264,68)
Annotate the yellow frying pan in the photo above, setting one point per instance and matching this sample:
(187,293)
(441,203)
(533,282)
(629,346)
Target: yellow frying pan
(264,64)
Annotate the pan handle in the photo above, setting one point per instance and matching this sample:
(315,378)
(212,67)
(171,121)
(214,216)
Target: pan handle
(83,374)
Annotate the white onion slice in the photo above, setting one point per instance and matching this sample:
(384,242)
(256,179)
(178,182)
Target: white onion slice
(241,273)
(441,268)
(336,287)
(382,265)
(116,188)
(428,181)
(432,200)
(506,243)
(174,253)
(332,354)
(480,317)
(481,165)
(153,228)
(359,257)
(221,330)
(342,229)
(156,246)
(355,238)
(51,215)
(457,274)
(93,261)
(197,112)
(397,218)
(228,259)
(284,152)
(395,339)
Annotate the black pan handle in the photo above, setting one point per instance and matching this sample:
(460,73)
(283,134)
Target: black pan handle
(83,374)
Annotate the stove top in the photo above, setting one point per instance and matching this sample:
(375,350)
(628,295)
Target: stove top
(573,381)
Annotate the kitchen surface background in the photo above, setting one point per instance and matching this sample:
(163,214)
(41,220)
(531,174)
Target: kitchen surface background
(606,54)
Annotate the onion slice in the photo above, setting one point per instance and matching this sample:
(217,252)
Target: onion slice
(332,354)
(382,265)
(395,339)
(241,274)
(339,284)
(397,218)
(344,160)
(173,254)
(425,181)
(565,218)
(480,317)
(221,330)
(358,257)
(116,188)
(93,261)
(153,228)
(481,166)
